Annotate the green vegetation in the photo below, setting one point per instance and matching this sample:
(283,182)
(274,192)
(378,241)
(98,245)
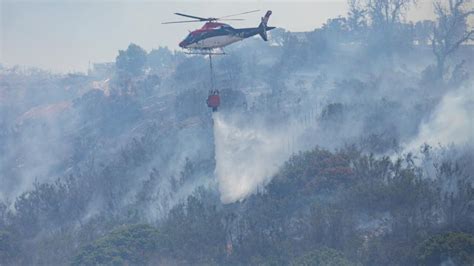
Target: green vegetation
(9,252)
(132,244)
(322,208)
(456,247)
(324,256)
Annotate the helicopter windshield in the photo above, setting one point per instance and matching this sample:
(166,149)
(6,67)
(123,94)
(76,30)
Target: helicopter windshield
(190,38)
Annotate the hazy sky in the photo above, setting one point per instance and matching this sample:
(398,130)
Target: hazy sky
(64,36)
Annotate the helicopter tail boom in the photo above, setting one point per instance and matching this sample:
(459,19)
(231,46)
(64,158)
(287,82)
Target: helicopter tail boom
(262,28)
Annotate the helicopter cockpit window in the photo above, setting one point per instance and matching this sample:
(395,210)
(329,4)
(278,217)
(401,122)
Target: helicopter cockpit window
(189,38)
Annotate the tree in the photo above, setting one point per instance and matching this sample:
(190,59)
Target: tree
(451,30)
(194,232)
(323,256)
(132,60)
(160,58)
(387,12)
(232,66)
(356,17)
(454,247)
(192,71)
(336,29)
(9,248)
(130,245)
(423,31)
(387,31)
(4,214)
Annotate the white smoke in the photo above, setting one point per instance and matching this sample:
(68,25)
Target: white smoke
(452,122)
(246,156)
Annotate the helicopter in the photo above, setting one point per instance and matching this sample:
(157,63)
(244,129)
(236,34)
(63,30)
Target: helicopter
(215,35)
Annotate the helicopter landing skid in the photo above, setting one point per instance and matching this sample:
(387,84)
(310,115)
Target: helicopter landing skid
(205,51)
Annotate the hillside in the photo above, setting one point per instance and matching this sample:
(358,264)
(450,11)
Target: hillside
(340,146)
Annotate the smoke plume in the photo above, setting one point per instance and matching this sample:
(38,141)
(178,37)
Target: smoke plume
(452,122)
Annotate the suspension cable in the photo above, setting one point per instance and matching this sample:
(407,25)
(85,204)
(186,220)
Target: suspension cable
(212,72)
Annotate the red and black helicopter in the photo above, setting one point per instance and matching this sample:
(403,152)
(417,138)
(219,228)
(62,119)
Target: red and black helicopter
(214,35)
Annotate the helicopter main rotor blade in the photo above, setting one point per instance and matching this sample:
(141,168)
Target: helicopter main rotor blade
(253,11)
(189,16)
(182,21)
(229,19)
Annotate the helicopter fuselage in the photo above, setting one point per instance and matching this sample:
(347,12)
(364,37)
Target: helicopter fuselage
(218,35)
